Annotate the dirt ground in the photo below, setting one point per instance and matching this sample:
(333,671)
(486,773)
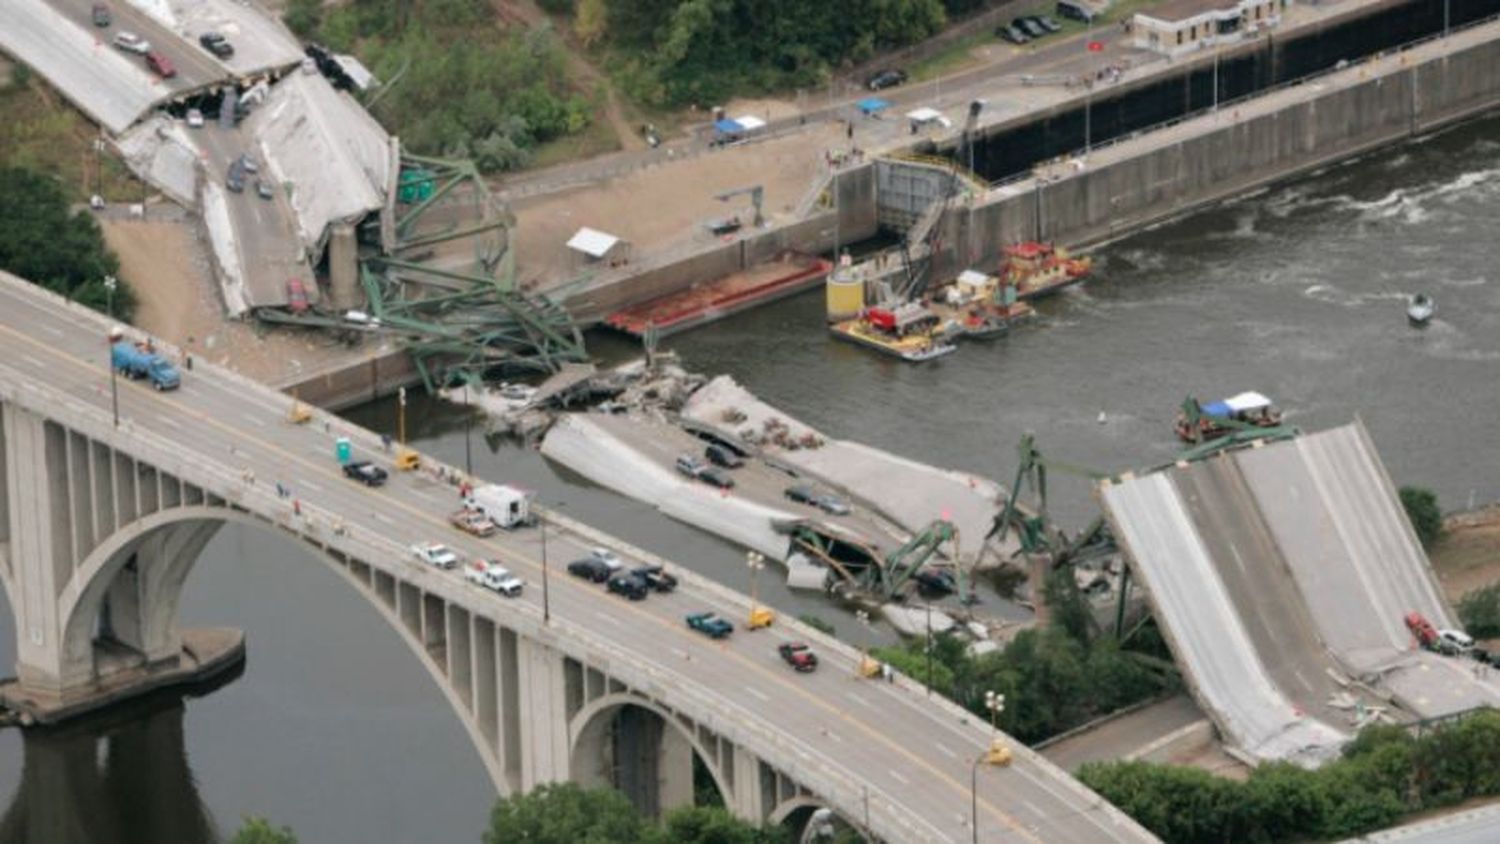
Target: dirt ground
(1468,555)
(165,264)
(664,207)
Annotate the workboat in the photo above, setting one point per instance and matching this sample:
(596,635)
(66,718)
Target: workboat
(1200,422)
(1038,269)
(1419,309)
(979,306)
(910,331)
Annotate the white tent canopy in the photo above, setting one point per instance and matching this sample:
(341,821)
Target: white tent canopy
(924,114)
(592,242)
(750,123)
(1247,401)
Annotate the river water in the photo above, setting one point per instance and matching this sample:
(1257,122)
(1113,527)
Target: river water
(1297,292)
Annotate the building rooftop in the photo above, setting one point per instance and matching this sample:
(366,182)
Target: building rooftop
(1173,11)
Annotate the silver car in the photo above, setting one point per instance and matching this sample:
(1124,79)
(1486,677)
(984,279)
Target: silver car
(132,43)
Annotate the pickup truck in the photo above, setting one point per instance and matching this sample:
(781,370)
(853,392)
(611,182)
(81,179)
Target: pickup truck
(710,625)
(471,522)
(492,575)
(656,578)
(435,554)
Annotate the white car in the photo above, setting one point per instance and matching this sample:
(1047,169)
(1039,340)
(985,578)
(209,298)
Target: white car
(493,576)
(194,118)
(435,554)
(608,558)
(132,43)
(1455,641)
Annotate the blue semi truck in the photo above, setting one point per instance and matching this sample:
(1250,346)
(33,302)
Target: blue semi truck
(140,361)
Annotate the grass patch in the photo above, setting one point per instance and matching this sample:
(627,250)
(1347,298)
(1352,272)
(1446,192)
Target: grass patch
(597,138)
(956,56)
(39,130)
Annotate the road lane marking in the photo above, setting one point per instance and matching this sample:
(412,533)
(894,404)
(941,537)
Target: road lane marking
(170,422)
(33,361)
(274,450)
(376,514)
(898,778)
(860,699)
(312,486)
(942,748)
(609,619)
(758,693)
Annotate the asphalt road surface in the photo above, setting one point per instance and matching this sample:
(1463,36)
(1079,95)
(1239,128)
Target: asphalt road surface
(912,758)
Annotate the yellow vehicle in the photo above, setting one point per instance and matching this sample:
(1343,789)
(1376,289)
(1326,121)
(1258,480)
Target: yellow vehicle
(761,617)
(407,460)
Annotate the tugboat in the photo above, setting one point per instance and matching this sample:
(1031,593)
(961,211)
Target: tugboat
(910,331)
(1037,269)
(1419,310)
(981,307)
(1198,423)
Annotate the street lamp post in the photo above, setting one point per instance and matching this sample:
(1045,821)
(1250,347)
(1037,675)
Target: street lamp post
(974,796)
(755,561)
(468,425)
(995,703)
(110,283)
(546,595)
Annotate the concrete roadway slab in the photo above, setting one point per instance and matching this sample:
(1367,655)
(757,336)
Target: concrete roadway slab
(260,41)
(1247,561)
(196,67)
(109,85)
(1207,635)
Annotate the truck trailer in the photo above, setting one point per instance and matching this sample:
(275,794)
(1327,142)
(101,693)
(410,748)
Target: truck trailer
(504,505)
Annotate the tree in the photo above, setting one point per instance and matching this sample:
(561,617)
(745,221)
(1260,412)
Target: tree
(1422,508)
(304,17)
(714,825)
(1479,609)
(44,241)
(564,813)
(259,831)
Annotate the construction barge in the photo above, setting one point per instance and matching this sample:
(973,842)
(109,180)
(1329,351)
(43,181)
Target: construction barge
(974,305)
(703,303)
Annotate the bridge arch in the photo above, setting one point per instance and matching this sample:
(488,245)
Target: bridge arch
(597,739)
(177,536)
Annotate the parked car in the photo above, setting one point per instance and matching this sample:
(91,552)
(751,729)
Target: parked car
(710,625)
(1029,26)
(714,476)
(1454,641)
(1009,33)
(365,472)
(248,163)
(263,189)
(589,569)
(801,493)
(435,554)
(132,43)
(723,455)
(656,577)
(628,585)
(216,44)
(160,65)
(608,558)
(799,656)
(296,296)
(492,575)
(689,465)
(1045,23)
(194,118)
(1077,10)
(235,178)
(102,17)
(889,78)
(831,504)
(471,522)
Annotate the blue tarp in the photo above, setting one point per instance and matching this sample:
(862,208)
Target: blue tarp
(870,105)
(727,126)
(1217,408)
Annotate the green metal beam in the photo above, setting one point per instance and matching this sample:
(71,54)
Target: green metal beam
(415,213)
(444,237)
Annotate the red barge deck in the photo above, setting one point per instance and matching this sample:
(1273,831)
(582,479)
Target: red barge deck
(711,300)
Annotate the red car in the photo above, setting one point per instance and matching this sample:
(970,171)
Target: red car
(296,296)
(160,64)
(1422,630)
(799,656)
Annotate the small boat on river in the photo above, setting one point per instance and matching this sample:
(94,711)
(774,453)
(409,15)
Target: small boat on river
(1419,310)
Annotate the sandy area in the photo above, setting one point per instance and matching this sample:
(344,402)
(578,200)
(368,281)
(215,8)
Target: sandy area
(1468,555)
(666,207)
(164,262)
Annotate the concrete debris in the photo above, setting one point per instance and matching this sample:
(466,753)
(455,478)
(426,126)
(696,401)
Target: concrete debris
(913,621)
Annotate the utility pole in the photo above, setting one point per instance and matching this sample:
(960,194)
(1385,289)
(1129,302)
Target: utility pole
(468,425)
(114,336)
(546,595)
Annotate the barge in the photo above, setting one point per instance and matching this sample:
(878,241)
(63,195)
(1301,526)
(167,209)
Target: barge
(703,303)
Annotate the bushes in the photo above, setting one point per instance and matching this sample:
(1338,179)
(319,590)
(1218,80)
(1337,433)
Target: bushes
(1384,774)
(1422,508)
(465,88)
(1479,610)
